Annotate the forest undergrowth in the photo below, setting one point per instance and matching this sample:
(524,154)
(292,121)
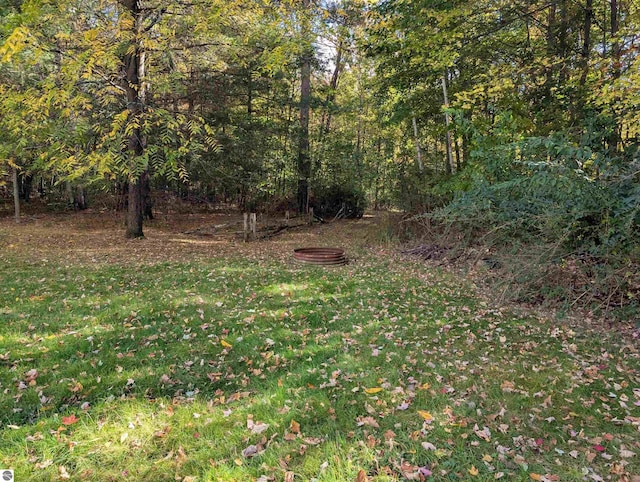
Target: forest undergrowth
(603,288)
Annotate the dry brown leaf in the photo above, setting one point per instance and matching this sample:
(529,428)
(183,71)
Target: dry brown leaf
(370,421)
(362,476)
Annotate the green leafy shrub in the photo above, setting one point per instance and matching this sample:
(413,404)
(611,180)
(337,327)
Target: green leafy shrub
(549,189)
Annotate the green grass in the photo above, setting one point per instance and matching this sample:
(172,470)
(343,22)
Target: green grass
(355,355)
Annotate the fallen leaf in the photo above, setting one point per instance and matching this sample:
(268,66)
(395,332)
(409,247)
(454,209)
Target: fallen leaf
(256,427)
(162,433)
(362,476)
(373,390)
(62,471)
(410,471)
(44,464)
(294,427)
(473,471)
(370,421)
(507,386)
(251,451)
(70,420)
(484,434)
(226,344)
(426,415)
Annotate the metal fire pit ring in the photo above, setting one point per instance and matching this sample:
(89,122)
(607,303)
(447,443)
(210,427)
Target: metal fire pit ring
(320,256)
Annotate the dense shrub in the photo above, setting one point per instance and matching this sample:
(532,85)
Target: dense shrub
(552,191)
(342,201)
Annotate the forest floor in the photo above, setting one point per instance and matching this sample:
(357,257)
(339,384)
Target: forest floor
(193,356)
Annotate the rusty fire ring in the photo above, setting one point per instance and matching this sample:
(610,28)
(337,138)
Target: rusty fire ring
(320,256)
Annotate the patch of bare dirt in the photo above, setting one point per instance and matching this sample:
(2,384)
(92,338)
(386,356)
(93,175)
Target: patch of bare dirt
(93,237)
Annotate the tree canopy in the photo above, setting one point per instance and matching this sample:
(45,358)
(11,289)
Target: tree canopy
(523,112)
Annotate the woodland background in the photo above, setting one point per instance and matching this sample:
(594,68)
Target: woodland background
(508,126)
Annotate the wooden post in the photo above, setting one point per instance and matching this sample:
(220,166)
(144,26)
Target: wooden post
(310,216)
(253,222)
(16,194)
(246,226)
(286,218)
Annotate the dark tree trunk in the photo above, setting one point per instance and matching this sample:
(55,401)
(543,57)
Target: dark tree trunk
(615,26)
(147,201)
(304,159)
(616,136)
(551,50)
(16,194)
(586,44)
(134,210)
(25,183)
(249,92)
(133,64)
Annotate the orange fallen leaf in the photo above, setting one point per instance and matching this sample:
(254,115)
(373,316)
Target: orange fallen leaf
(473,471)
(70,420)
(294,426)
(535,476)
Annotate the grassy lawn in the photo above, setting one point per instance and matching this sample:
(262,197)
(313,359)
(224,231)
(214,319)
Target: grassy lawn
(232,363)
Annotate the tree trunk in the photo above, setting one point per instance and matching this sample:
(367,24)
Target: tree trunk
(147,201)
(616,136)
(249,93)
(616,51)
(134,211)
(134,67)
(586,44)
(551,50)
(563,42)
(450,167)
(304,160)
(417,140)
(16,194)
(81,199)
(326,124)
(25,183)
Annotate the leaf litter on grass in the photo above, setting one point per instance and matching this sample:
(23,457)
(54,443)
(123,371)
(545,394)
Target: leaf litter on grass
(234,364)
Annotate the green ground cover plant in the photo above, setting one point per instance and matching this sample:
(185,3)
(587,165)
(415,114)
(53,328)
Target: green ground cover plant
(245,366)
